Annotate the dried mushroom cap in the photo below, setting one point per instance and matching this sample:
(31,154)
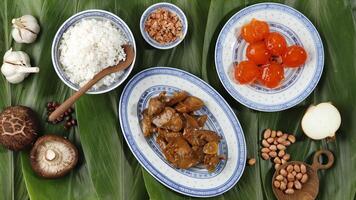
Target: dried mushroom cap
(18,127)
(53,156)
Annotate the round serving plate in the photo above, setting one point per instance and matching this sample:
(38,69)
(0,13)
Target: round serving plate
(195,181)
(99,15)
(298,83)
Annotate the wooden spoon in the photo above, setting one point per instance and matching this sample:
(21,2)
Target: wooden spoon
(310,189)
(71,100)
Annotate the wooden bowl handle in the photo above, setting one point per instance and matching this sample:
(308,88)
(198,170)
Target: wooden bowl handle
(317,165)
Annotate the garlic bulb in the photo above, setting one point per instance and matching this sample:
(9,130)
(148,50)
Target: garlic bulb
(16,66)
(321,121)
(25,29)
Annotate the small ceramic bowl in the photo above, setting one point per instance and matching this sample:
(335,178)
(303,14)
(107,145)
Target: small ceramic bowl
(172,8)
(91,14)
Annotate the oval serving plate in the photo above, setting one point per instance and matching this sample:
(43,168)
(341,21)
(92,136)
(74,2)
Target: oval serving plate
(196,181)
(298,83)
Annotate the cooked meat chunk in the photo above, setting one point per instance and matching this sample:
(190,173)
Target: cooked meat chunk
(175,124)
(198,137)
(198,153)
(201,119)
(190,121)
(211,160)
(189,104)
(176,98)
(192,137)
(146,124)
(209,136)
(164,117)
(161,140)
(194,121)
(168,135)
(155,106)
(180,154)
(168,119)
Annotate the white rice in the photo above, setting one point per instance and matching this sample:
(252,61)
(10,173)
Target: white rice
(90,46)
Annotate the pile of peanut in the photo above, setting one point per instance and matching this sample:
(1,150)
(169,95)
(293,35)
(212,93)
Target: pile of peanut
(163,26)
(291,178)
(274,145)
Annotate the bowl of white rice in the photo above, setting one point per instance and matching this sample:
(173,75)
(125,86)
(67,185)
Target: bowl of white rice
(87,43)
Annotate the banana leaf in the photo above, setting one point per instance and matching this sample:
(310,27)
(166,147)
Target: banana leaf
(107,169)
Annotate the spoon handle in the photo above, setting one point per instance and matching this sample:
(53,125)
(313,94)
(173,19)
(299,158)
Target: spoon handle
(316,160)
(71,100)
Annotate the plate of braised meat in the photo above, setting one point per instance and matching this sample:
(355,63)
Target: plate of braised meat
(182,132)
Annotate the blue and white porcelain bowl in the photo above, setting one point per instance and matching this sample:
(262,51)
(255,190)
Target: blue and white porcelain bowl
(196,181)
(168,6)
(298,83)
(91,14)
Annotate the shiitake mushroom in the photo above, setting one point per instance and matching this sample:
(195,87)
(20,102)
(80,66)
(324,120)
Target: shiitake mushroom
(18,127)
(53,156)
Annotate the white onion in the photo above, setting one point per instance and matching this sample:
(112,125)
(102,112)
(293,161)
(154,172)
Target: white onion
(321,121)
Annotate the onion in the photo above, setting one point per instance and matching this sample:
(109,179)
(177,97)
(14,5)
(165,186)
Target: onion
(321,121)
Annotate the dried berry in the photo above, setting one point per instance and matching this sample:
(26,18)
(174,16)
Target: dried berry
(66,116)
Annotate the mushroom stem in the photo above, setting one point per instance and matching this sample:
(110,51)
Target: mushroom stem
(50,155)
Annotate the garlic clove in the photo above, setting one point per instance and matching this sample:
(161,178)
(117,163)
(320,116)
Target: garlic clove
(16,78)
(16,58)
(23,36)
(8,69)
(25,29)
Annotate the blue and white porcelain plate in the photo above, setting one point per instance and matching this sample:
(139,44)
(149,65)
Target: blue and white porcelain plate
(196,181)
(298,83)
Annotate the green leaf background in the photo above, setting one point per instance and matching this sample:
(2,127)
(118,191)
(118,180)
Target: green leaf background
(107,169)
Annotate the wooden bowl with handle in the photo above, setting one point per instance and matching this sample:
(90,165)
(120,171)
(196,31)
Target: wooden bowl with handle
(310,189)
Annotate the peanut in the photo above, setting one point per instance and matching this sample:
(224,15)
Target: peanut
(297,185)
(291,138)
(270,140)
(281,147)
(303,168)
(251,161)
(283,172)
(299,176)
(265,143)
(279,178)
(272,154)
(279,133)
(267,133)
(265,156)
(290,184)
(283,186)
(304,178)
(265,150)
(273,147)
(273,134)
(281,153)
(289,191)
(277,160)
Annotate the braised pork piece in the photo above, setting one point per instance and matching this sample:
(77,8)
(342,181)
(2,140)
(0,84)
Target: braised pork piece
(180,133)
